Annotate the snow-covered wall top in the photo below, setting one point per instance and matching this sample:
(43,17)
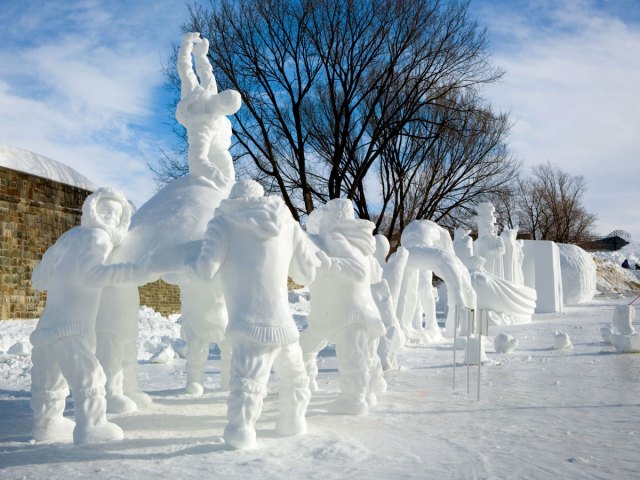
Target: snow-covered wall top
(41,166)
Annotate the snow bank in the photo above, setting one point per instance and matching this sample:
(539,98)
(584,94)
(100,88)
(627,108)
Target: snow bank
(612,278)
(579,275)
(41,166)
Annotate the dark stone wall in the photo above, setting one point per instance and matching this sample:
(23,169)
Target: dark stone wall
(34,212)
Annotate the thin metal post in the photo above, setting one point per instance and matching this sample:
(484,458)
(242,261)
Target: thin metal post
(480,325)
(469,328)
(455,336)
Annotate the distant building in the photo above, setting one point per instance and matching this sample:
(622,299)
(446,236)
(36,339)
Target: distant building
(40,199)
(614,241)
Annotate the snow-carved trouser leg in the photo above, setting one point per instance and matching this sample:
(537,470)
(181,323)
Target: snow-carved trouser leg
(352,351)
(129,370)
(110,354)
(225,363)
(311,342)
(197,355)
(294,390)
(377,383)
(84,374)
(48,396)
(250,367)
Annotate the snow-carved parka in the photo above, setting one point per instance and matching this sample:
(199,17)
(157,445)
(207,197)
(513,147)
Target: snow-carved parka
(73,271)
(341,295)
(254,244)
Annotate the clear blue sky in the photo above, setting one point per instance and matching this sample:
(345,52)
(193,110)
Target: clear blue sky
(81,81)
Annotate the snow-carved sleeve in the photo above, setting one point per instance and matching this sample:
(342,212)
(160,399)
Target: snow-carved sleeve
(375,270)
(43,271)
(93,270)
(302,268)
(212,254)
(350,263)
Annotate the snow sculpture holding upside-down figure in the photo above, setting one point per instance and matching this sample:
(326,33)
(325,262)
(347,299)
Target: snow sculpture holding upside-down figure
(73,272)
(253,244)
(176,215)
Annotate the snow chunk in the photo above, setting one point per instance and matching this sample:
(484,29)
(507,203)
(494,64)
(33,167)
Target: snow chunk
(22,349)
(579,276)
(561,340)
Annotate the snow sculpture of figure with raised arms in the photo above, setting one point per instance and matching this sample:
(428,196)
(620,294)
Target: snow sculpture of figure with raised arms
(176,215)
(73,272)
(343,310)
(253,243)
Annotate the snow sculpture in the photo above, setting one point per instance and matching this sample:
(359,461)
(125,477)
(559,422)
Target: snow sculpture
(343,310)
(542,272)
(463,245)
(253,243)
(623,336)
(176,215)
(561,340)
(578,271)
(73,272)
(506,302)
(489,245)
(513,256)
(391,343)
(504,343)
(431,251)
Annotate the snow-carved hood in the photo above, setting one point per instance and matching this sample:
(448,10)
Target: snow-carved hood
(357,232)
(264,216)
(90,218)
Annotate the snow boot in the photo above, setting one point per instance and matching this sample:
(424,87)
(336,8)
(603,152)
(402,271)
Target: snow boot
(91,420)
(243,409)
(197,355)
(293,401)
(49,424)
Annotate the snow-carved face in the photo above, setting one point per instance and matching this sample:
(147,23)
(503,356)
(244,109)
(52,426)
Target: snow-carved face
(109,211)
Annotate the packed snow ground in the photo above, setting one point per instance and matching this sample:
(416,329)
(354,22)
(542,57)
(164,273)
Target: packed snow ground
(542,413)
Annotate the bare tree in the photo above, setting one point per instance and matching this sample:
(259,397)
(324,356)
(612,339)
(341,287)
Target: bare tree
(336,91)
(550,206)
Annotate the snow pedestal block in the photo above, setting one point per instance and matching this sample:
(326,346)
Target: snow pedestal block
(473,353)
(542,272)
(626,343)
(623,317)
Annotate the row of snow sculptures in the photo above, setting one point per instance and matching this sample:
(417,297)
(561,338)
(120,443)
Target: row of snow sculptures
(73,271)
(176,214)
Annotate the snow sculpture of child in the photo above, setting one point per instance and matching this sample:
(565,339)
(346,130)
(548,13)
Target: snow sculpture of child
(253,243)
(73,272)
(343,310)
(178,213)
(489,245)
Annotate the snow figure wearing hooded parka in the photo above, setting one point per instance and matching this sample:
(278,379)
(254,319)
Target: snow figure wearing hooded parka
(177,215)
(73,272)
(253,244)
(343,310)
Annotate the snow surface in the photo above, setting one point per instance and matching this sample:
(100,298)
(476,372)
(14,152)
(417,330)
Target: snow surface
(543,413)
(41,166)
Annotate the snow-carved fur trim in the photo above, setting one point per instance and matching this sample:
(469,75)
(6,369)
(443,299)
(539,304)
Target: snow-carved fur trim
(264,216)
(357,232)
(90,217)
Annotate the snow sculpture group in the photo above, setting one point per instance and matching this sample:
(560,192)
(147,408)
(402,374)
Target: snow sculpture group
(217,238)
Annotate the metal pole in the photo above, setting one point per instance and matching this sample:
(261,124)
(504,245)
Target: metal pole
(469,327)
(479,351)
(455,331)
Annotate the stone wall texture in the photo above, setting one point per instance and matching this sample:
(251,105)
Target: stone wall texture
(34,212)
